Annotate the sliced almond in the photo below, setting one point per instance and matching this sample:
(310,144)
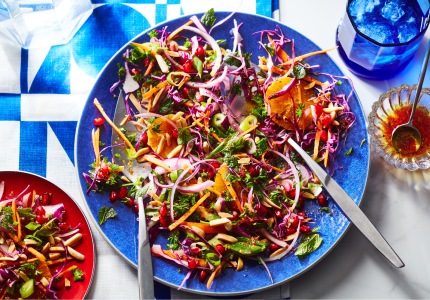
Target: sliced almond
(199,231)
(73,240)
(177,116)
(46,248)
(225,215)
(239,266)
(44,281)
(57,249)
(54,256)
(226,238)
(75,254)
(161,144)
(142,151)
(29,242)
(220,221)
(66,283)
(175,151)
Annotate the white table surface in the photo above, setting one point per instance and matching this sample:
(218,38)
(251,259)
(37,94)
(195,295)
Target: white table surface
(354,269)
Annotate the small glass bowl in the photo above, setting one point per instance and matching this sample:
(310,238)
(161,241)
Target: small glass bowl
(381,109)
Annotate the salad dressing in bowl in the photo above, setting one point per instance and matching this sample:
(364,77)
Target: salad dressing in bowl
(391,110)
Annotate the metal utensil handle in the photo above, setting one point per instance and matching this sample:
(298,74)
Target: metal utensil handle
(350,208)
(145,277)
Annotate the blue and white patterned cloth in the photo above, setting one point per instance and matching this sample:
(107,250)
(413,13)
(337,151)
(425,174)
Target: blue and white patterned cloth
(43,92)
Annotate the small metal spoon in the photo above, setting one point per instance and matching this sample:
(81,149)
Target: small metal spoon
(407,131)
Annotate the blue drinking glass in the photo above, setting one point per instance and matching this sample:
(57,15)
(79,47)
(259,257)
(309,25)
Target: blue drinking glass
(378,38)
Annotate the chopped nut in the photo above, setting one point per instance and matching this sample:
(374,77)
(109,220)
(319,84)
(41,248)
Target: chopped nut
(54,255)
(75,254)
(226,238)
(73,240)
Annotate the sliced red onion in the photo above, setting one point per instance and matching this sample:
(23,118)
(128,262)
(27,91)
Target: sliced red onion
(130,85)
(273,239)
(209,84)
(154,115)
(196,187)
(198,24)
(66,234)
(55,210)
(174,164)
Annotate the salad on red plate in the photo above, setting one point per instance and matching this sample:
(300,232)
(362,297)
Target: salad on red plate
(42,248)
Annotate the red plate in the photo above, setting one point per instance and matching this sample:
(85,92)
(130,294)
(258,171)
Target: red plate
(17,181)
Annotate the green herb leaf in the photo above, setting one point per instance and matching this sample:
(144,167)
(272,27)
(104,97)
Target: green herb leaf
(299,110)
(184,136)
(299,71)
(349,152)
(32,226)
(209,18)
(198,65)
(106,213)
(78,275)
(362,142)
(173,239)
(308,244)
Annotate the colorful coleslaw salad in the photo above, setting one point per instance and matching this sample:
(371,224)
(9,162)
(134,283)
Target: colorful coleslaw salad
(36,243)
(211,128)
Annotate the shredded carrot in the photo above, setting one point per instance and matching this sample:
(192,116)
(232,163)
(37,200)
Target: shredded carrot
(301,57)
(149,69)
(188,213)
(114,127)
(175,32)
(215,136)
(154,90)
(222,171)
(317,142)
(214,273)
(36,253)
(96,144)
(158,162)
(57,261)
(264,162)
(69,269)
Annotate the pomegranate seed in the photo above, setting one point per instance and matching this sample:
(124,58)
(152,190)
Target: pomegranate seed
(195,250)
(291,194)
(136,208)
(146,62)
(220,248)
(46,198)
(64,227)
(144,139)
(302,214)
(324,135)
(322,200)
(175,133)
(135,71)
(199,97)
(295,222)
(273,247)
(254,170)
(211,174)
(99,121)
(202,275)
(278,213)
(39,211)
(215,164)
(123,191)
(188,66)
(200,52)
(326,120)
(318,109)
(192,264)
(163,210)
(129,201)
(305,229)
(113,196)
(185,92)
(291,230)
(173,46)
(41,219)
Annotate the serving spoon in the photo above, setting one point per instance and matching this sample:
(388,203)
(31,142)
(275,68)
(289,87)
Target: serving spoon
(407,132)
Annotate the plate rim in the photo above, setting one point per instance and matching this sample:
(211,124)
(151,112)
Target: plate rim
(273,285)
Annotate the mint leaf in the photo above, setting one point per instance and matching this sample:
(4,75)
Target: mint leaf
(308,244)
(78,275)
(209,18)
(106,213)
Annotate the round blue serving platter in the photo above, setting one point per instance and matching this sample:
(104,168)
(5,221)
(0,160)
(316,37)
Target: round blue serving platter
(350,171)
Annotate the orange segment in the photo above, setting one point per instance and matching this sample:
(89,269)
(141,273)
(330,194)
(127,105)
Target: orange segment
(283,108)
(158,129)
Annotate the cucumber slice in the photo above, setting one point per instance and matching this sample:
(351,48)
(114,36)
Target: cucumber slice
(217,120)
(27,289)
(248,122)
